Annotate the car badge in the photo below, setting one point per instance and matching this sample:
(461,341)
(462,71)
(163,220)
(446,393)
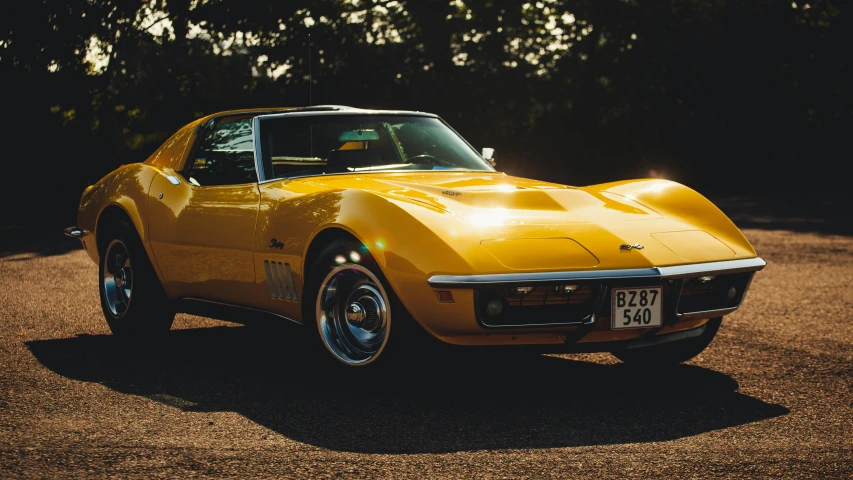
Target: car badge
(635,246)
(274,243)
(451,192)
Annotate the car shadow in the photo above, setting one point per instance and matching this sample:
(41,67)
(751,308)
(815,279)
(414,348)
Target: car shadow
(461,403)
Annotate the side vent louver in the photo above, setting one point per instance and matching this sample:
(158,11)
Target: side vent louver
(280,280)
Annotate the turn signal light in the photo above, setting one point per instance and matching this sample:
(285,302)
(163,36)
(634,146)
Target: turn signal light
(445,296)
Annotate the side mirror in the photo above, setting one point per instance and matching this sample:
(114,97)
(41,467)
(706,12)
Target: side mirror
(488,155)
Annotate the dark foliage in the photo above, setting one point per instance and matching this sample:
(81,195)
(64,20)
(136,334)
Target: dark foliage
(725,96)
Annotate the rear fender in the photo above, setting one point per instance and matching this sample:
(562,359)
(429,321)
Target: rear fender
(125,188)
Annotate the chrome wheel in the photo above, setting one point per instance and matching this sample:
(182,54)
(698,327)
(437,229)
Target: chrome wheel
(118,278)
(353,314)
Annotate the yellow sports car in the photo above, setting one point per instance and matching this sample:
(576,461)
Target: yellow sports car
(361,225)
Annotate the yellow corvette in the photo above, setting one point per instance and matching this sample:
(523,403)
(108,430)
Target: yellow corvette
(363,224)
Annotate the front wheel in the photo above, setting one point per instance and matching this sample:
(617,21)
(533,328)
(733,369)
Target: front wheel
(671,353)
(352,316)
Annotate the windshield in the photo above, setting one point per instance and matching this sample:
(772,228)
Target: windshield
(293,146)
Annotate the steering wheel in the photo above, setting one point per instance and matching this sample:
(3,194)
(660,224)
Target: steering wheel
(436,160)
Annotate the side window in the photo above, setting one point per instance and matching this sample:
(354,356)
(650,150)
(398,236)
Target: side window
(225,155)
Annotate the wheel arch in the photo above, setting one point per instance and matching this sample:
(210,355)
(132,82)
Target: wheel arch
(404,246)
(107,218)
(321,240)
(115,212)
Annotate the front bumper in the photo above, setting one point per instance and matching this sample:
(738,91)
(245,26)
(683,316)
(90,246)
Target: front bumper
(683,308)
(76,232)
(675,272)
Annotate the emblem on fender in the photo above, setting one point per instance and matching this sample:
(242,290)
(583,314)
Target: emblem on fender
(635,246)
(274,243)
(451,192)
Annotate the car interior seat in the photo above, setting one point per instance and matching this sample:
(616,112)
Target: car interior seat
(353,158)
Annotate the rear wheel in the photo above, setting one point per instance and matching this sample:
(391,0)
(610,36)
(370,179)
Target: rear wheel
(132,299)
(671,353)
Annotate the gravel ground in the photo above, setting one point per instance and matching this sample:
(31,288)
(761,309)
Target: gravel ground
(771,397)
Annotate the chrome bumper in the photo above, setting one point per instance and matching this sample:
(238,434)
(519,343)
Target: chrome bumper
(75,232)
(675,275)
(676,272)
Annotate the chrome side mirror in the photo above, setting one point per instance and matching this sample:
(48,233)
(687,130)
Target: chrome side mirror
(489,155)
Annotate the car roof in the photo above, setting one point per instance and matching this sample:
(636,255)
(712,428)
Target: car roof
(313,109)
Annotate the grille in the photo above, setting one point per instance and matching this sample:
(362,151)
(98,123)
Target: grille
(549,305)
(546,296)
(280,280)
(543,305)
(713,292)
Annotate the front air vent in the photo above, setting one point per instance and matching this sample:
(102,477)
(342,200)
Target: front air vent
(280,280)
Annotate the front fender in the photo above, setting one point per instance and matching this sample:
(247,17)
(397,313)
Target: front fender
(674,200)
(400,236)
(411,243)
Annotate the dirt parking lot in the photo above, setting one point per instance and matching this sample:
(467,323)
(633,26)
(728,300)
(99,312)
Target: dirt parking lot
(770,397)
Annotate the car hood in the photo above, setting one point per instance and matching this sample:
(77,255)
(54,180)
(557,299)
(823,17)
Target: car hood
(527,224)
(497,199)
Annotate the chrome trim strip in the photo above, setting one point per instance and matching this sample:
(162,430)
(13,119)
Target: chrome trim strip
(707,313)
(284,179)
(269,278)
(293,287)
(586,321)
(256,145)
(267,312)
(726,266)
(680,271)
(470,281)
(664,338)
(75,232)
(276,280)
(283,276)
(351,111)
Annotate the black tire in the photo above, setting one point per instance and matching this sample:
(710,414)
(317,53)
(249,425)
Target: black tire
(401,328)
(143,313)
(671,353)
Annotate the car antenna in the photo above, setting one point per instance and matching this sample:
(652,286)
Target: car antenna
(310,100)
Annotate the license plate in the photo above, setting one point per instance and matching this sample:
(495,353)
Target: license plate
(636,307)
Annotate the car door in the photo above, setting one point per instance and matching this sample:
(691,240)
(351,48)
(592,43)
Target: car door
(202,220)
